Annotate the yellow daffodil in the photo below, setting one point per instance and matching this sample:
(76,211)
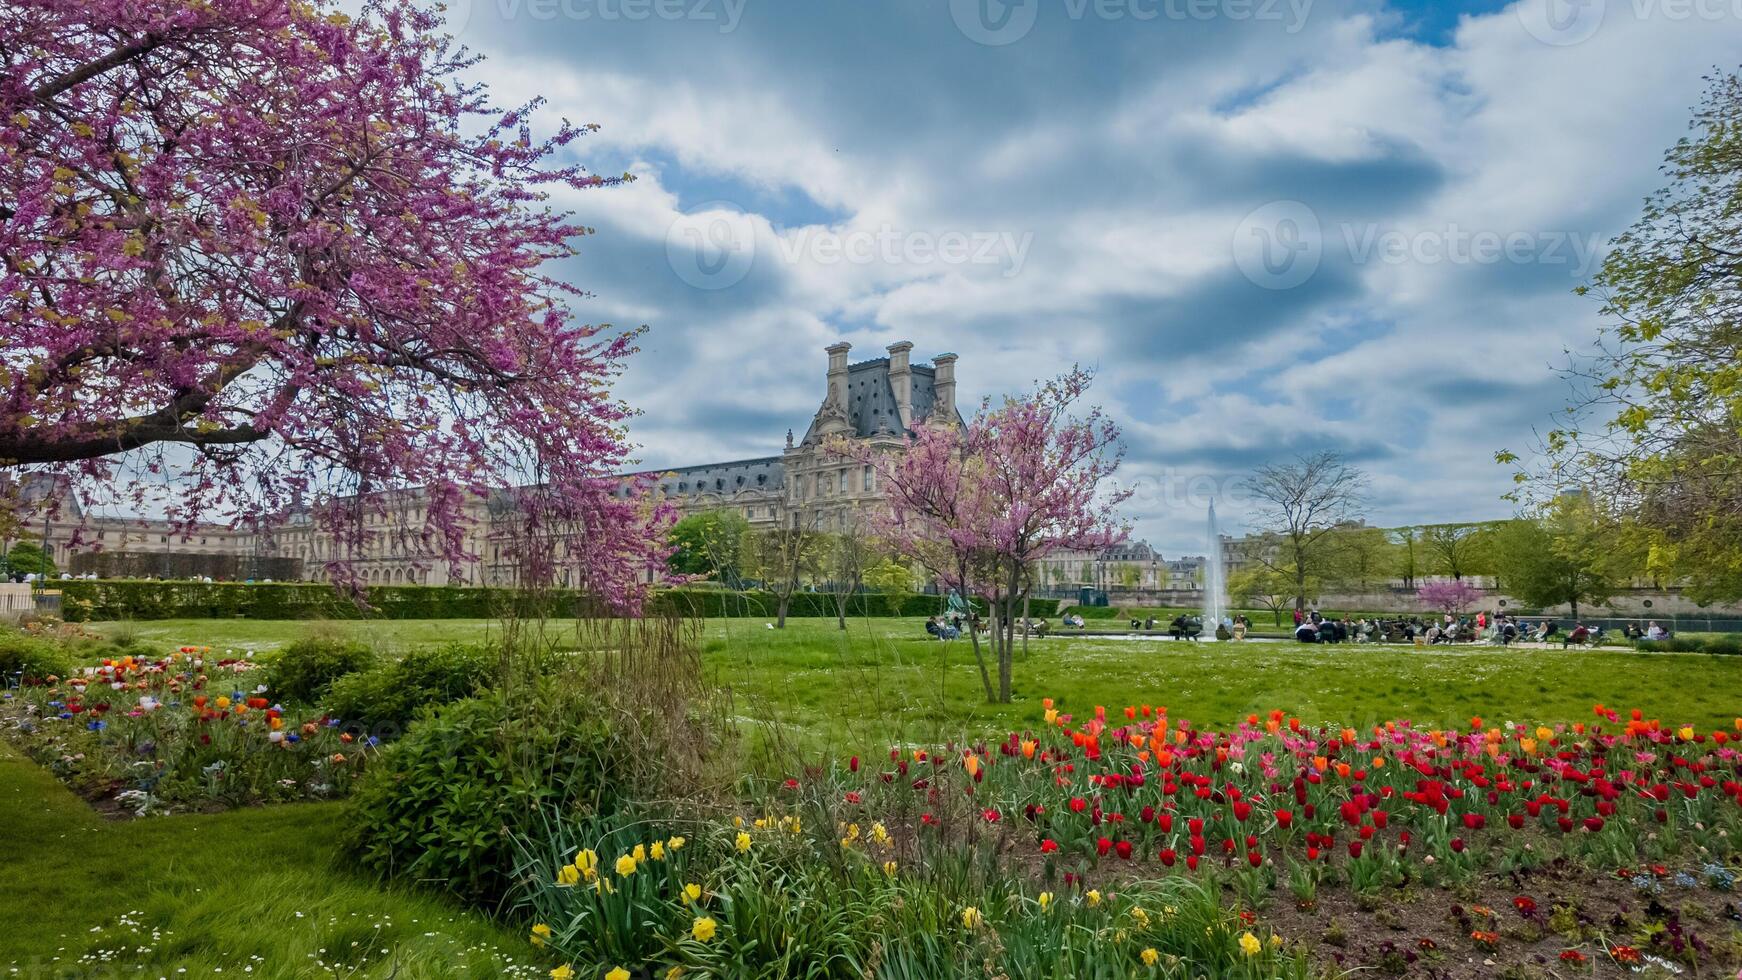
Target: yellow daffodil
(692,892)
(971,918)
(586,861)
(1250,945)
(1093,897)
(674,973)
(657,851)
(675,843)
(1150,956)
(703,929)
(1045,899)
(743,842)
(640,853)
(565,972)
(889,867)
(880,833)
(567,875)
(617,973)
(540,933)
(626,865)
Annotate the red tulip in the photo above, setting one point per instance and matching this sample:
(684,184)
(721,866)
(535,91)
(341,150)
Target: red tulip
(1123,849)
(1102,846)
(1457,845)
(1254,858)
(1284,819)
(1168,856)
(1593,824)
(1192,861)
(1515,821)
(1354,848)
(1049,846)
(1242,810)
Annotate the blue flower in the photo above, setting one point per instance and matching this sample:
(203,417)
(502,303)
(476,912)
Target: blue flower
(371,741)
(97,726)
(293,737)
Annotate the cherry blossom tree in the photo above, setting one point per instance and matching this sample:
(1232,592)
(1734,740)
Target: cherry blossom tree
(978,505)
(266,254)
(1452,596)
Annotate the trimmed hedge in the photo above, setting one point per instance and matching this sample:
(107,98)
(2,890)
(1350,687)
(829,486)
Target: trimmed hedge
(1726,644)
(113,599)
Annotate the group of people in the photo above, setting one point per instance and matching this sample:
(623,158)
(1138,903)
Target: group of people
(1483,627)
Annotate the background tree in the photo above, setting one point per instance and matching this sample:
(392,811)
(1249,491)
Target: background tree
(978,506)
(26,558)
(1654,430)
(708,544)
(1301,504)
(268,254)
(1457,549)
(846,556)
(1361,558)
(1263,587)
(782,559)
(890,575)
(1406,542)
(1572,553)
(1452,597)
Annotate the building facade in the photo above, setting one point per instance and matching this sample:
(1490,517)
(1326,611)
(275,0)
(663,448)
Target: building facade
(877,401)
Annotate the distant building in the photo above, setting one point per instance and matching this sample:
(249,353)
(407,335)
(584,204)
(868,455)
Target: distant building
(876,401)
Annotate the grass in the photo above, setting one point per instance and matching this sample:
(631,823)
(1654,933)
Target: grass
(250,892)
(883,679)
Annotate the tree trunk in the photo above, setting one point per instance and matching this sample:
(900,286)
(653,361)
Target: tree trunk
(780,622)
(1025,627)
(979,657)
(841,600)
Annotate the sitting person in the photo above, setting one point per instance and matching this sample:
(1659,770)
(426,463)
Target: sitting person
(1239,630)
(1656,632)
(1579,635)
(1183,628)
(940,629)
(1306,633)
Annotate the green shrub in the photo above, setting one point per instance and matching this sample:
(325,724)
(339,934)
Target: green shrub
(443,805)
(383,700)
(1728,644)
(30,658)
(307,668)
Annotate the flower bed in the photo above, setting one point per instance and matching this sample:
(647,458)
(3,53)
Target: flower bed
(191,730)
(1604,847)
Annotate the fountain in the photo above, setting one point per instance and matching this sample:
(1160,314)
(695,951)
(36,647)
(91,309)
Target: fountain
(1214,583)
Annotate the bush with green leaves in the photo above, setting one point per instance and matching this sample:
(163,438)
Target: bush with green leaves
(441,805)
(383,700)
(304,671)
(30,658)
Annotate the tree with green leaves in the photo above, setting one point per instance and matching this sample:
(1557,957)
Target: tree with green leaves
(1573,552)
(27,558)
(889,575)
(1457,549)
(1266,588)
(1656,428)
(708,544)
(1361,558)
(845,558)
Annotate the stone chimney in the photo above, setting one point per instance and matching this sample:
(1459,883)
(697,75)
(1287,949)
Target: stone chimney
(944,387)
(838,374)
(901,380)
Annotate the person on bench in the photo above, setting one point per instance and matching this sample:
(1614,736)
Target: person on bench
(940,629)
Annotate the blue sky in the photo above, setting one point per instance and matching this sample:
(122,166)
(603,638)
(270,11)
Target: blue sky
(1271,226)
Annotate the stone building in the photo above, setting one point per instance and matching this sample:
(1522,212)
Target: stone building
(78,542)
(877,400)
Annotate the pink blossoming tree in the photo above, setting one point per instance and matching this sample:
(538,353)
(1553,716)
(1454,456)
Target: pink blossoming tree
(263,253)
(1452,596)
(978,505)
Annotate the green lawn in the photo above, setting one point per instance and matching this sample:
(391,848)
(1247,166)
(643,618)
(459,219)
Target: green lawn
(250,892)
(883,679)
